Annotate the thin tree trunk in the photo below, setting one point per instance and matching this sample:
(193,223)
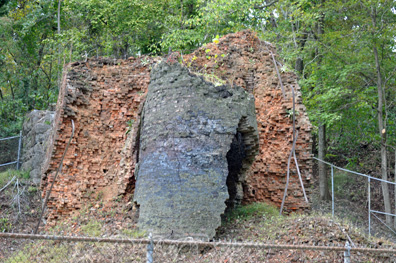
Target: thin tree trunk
(323,184)
(181,15)
(12,91)
(59,45)
(381,127)
(394,225)
(382,131)
(59,8)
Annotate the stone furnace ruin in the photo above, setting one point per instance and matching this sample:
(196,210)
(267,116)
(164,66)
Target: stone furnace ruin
(187,130)
(186,141)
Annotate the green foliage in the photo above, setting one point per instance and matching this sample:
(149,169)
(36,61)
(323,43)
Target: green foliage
(210,19)
(129,125)
(32,189)
(333,41)
(28,69)
(11,116)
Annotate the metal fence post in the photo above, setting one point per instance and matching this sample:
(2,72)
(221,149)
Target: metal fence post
(347,253)
(332,191)
(19,150)
(369,205)
(150,249)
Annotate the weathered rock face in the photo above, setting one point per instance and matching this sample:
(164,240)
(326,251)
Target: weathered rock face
(188,126)
(36,131)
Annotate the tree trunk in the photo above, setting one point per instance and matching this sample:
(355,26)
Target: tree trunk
(181,14)
(59,45)
(394,225)
(381,126)
(323,184)
(299,66)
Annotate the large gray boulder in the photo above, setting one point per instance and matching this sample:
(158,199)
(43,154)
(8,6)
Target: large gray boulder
(188,127)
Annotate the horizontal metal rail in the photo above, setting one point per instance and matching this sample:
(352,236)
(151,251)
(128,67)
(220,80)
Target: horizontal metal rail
(4,164)
(9,138)
(199,243)
(382,213)
(349,171)
(379,219)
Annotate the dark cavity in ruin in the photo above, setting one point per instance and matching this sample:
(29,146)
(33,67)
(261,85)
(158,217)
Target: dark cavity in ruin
(235,157)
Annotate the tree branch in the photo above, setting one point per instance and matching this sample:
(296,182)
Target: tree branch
(265,5)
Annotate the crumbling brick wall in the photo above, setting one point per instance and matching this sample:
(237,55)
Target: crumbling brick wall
(244,60)
(104,98)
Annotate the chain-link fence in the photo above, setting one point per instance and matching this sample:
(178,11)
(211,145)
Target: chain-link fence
(10,152)
(367,187)
(22,248)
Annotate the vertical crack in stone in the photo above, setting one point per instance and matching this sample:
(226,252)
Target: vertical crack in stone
(134,141)
(188,126)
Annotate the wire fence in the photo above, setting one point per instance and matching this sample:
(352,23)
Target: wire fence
(370,210)
(10,152)
(41,248)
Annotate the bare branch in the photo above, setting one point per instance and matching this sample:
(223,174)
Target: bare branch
(13,178)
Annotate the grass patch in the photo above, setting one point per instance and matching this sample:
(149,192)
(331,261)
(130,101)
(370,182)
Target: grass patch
(92,228)
(41,251)
(134,233)
(6,176)
(253,210)
(5,225)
